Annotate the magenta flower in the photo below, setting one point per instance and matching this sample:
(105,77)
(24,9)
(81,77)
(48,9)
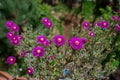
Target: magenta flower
(11,60)
(47,43)
(92,34)
(49,24)
(15,40)
(45,20)
(9,24)
(77,43)
(52,57)
(38,51)
(59,40)
(119,11)
(96,23)
(23,53)
(15,28)
(30,71)
(41,39)
(104,24)
(10,35)
(115,18)
(86,25)
(20,37)
(117,26)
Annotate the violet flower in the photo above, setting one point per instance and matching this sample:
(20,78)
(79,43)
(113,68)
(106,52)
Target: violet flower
(38,51)
(30,71)
(104,24)
(117,26)
(10,35)
(15,28)
(59,40)
(77,43)
(45,20)
(86,25)
(9,24)
(115,18)
(49,24)
(41,39)
(11,60)
(92,34)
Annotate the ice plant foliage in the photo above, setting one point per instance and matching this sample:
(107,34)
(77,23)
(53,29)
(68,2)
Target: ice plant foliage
(80,57)
(23,53)
(9,24)
(11,60)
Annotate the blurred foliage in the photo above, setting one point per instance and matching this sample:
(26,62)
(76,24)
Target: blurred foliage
(107,14)
(61,8)
(88,9)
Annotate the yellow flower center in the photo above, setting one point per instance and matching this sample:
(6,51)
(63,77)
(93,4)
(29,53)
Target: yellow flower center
(29,71)
(45,20)
(14,27)
(10,34)
(38,51)
(92,34)
(49,24)
(104,24)
(14,38)
(11,59)
(86,24)
(77,42)
(42,39)
(59,39)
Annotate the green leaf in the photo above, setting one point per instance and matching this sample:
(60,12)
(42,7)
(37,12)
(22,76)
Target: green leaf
(115,64)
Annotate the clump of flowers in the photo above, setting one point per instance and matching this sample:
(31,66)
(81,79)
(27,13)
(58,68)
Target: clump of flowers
(47,22)
(13,36)
(12,26)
